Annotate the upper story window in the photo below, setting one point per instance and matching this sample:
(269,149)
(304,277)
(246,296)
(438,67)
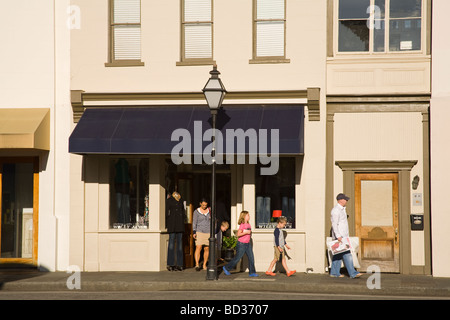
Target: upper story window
(125,33)
(269,31)
(196,32)
(375,26)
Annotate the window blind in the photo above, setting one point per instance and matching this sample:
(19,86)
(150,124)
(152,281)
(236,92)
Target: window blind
(197,29)
(270,9)
(197,10)
(270,28)
(127,42)
(127,29)
(198,43)
(270,39)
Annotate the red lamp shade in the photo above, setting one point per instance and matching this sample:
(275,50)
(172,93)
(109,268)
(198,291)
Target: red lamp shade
(276,213)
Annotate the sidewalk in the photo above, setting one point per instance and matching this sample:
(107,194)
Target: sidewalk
(191,280)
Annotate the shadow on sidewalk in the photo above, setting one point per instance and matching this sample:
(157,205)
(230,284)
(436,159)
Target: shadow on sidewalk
(16,271)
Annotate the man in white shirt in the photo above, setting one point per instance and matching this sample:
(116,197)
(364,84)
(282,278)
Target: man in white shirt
(340,230)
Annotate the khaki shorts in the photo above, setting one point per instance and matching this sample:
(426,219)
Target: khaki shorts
(202,239)
(277,253)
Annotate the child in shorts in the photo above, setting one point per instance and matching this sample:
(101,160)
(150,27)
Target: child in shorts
(280,246)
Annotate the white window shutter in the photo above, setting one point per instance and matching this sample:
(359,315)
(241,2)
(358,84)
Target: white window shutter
(270,39)
(197,10)
(270,9)
(127,38)
(127,11)
(270,28)
(197,29)
(198,41)
(127,42)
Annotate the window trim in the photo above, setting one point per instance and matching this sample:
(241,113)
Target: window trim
(194,61)
(120,62)
(425,16)
(267,59)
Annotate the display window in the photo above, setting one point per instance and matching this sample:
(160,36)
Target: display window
(275,195)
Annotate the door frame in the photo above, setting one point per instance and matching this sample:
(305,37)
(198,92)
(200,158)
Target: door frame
(35,162)
(403,168)
(383,232)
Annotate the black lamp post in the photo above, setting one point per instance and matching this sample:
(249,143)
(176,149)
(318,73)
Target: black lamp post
(214,92)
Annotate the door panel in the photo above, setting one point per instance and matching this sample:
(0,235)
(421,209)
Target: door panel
(376,220)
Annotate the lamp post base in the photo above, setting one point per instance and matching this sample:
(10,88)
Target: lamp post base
(211,272)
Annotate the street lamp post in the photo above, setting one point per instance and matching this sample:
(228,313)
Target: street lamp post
(214,92)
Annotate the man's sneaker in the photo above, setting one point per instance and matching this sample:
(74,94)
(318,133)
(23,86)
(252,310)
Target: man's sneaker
(253,275)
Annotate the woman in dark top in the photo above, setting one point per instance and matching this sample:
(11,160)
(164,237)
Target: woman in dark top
(175,227)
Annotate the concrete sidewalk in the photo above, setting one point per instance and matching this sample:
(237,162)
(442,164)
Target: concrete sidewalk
(191,280)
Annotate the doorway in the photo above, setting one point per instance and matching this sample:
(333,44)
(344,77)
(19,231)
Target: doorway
(193,187)
(19,196)
(377,220)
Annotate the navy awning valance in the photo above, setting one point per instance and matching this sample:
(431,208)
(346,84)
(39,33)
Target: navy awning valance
(150,130)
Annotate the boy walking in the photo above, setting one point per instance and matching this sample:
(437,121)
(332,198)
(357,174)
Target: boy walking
(279,248)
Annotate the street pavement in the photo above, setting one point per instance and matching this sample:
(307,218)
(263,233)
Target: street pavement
(32,280)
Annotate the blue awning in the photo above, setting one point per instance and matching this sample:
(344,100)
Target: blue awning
(148,130)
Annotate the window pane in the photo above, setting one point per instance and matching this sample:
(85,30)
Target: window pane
(354,9)
(353,36)
(378,36)
(276,192)
(17,210)
(405,8)
(197,40)
(379,9)
(127,11)
(405,35)
(129,180)
(197,10)
(270,39)
(376,203)
(270,9)
(127,42)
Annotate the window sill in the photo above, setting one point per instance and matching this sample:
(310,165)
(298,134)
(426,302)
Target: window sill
(269,60)
(367,57)
(201,62)
(125,63)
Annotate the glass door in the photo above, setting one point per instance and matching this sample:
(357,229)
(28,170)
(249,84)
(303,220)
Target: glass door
(19,181)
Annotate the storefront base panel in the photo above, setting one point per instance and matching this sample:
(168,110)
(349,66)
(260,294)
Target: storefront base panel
(125,251)
(264,252)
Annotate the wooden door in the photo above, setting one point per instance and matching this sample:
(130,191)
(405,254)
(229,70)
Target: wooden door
(376,220)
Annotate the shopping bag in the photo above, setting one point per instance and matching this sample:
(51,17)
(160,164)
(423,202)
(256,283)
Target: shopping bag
(337,246)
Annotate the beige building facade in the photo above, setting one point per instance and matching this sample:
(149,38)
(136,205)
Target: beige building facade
(364,120)
(439,139)
(378,97)
(35,118)
(263,66)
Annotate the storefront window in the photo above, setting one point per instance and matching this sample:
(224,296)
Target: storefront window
(129,180)
(275,195)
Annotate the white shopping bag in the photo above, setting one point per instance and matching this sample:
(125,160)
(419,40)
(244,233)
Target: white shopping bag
(337,246)
(354,246)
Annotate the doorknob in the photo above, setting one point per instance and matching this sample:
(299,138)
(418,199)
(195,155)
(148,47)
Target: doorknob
(396,235)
